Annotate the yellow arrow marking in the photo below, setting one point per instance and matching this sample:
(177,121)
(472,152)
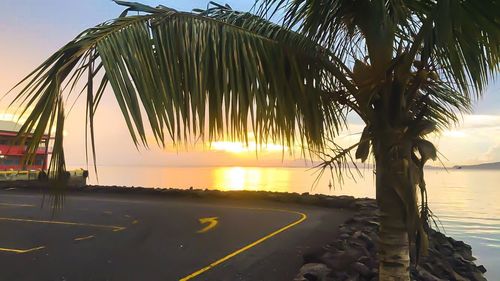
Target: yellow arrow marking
(212,222)
(19,251)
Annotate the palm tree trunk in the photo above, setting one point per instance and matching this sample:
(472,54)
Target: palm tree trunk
(394,253)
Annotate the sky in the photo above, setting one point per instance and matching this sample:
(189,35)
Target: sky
(31,30)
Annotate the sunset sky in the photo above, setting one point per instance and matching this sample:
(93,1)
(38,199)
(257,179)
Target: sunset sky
(31,30)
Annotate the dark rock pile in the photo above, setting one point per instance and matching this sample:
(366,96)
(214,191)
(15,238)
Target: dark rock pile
(353,256)
(448,259)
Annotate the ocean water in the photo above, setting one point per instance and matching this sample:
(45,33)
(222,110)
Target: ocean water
(465,201)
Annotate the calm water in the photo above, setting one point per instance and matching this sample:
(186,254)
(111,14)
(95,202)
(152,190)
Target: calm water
(466,201)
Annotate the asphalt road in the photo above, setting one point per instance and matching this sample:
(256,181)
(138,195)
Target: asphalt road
(129,237)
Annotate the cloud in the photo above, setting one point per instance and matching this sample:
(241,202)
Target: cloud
(476,140)
(480,121)
(492,155)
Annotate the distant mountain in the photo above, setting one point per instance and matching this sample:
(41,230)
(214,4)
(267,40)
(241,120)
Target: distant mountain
(485,166)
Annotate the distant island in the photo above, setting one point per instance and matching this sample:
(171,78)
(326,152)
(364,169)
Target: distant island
(485,166)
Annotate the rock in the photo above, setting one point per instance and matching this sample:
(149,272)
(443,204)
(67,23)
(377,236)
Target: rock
(481,268)
(367,239)
(355,276)
(370,262)
(344,236)
(337,202)
(446,250)
(364,259)
(373,223)
(467,254)
(477,276)
(310,277)
(341,276)
(460,262)
(364,203)
(353,256)
(374,236)
(425,275)
(335,261)
(361,268)
(313,255)
(342,260)
(309,271)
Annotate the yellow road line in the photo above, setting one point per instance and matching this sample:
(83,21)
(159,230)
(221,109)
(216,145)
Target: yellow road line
(303,217)
(19,251)
(112,227)
(84,238)
(16,205)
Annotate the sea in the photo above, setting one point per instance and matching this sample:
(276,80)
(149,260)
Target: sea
(465,201)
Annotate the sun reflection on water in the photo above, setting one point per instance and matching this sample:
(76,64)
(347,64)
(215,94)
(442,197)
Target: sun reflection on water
(245,178)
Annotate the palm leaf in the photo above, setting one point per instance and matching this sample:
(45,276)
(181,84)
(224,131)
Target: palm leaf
(461,38)
(184,74)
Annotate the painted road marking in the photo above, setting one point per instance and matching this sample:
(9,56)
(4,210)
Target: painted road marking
(112,227)
(16,205)
(19,251)
(302,218)
(84,238)
(212,222)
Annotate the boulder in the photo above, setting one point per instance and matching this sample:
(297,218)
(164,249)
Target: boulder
(362,269)
(313,272)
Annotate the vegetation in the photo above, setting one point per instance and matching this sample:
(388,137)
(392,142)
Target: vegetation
(291,72)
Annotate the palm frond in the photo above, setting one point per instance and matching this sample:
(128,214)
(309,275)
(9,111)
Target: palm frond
(191,74)
(339,162)
(460,38)
(464,43)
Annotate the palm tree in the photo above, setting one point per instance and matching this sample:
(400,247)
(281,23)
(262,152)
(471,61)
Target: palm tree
(406,68)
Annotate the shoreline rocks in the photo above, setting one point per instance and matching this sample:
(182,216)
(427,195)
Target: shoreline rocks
(341,202)
(353,256)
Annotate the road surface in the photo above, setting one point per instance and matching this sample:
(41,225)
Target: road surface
(130,237)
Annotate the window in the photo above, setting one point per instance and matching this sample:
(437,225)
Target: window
(10,160)
(39,159)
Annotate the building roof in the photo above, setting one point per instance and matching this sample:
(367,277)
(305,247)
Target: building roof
(9,126)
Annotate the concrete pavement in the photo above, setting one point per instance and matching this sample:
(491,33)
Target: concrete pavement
(131,237)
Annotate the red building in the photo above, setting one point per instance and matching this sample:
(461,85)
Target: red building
(11,155)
